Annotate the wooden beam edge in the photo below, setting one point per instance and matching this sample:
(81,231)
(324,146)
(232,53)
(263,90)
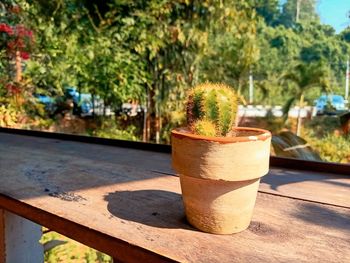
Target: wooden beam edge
(2,237)
(117,248)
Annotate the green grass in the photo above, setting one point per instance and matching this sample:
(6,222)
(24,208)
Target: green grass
(332,147)
(71,251)
(325,136)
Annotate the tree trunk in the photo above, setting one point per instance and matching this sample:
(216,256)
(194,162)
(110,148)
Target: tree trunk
(93,105)
(300,119)
(18,67)
(152,128)
(297,15)
(144,133)
(18,79)
(149,114)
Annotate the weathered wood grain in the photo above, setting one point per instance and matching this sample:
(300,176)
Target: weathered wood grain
(121,202)
(319,187)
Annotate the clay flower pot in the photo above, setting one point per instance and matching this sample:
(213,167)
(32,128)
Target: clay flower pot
(220,176)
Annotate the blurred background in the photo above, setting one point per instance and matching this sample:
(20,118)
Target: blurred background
(121,69)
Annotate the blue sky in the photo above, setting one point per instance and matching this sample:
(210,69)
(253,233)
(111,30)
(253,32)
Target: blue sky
(334,13)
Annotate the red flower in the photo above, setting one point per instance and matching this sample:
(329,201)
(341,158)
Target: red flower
(8,86)
(17,44)
(20,43)
(21,31)
(11,45)
(30,34)
(12,88)
(6,28)
(24,55)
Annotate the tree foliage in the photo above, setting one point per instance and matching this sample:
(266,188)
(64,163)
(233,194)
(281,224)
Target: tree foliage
(150,52)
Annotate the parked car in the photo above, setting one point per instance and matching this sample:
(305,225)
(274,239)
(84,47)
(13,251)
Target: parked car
(330,104)
(85,105)
(82,102)
(47,101)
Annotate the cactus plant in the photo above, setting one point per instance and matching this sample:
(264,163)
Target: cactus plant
(211,109)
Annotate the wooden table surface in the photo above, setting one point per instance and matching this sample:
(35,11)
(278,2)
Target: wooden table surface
(127,203)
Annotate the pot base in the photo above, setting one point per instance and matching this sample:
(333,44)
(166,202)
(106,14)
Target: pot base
(219,207)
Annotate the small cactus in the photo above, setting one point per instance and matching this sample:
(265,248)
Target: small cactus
(211,109)
(205,128)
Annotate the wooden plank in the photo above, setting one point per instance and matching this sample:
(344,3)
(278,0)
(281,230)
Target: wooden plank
(308,165)
(118,201)
(2,236)
(304,185)
(293,183)
(275,161)
(125,251)
(318,187)
(144,216)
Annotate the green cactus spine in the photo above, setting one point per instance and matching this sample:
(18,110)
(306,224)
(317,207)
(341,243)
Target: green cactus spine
(212,107)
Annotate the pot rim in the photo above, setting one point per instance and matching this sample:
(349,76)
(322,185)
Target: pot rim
(262,136)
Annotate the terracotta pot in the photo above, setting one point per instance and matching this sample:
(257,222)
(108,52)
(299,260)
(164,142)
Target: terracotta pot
(220,176)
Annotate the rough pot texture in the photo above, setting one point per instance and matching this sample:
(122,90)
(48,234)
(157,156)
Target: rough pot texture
(220,176)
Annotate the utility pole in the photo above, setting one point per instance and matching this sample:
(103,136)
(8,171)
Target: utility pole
(347,80)
(297,11)
(251,87)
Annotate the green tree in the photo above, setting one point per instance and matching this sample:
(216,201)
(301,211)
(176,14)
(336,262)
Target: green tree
(78,46)
(280,48)
(298,11)
(233,52)
(304,77)
(173,38)
(345,35)
(16,41)
(269,10)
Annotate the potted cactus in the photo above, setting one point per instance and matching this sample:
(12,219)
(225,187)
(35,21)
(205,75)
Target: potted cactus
(219,165)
